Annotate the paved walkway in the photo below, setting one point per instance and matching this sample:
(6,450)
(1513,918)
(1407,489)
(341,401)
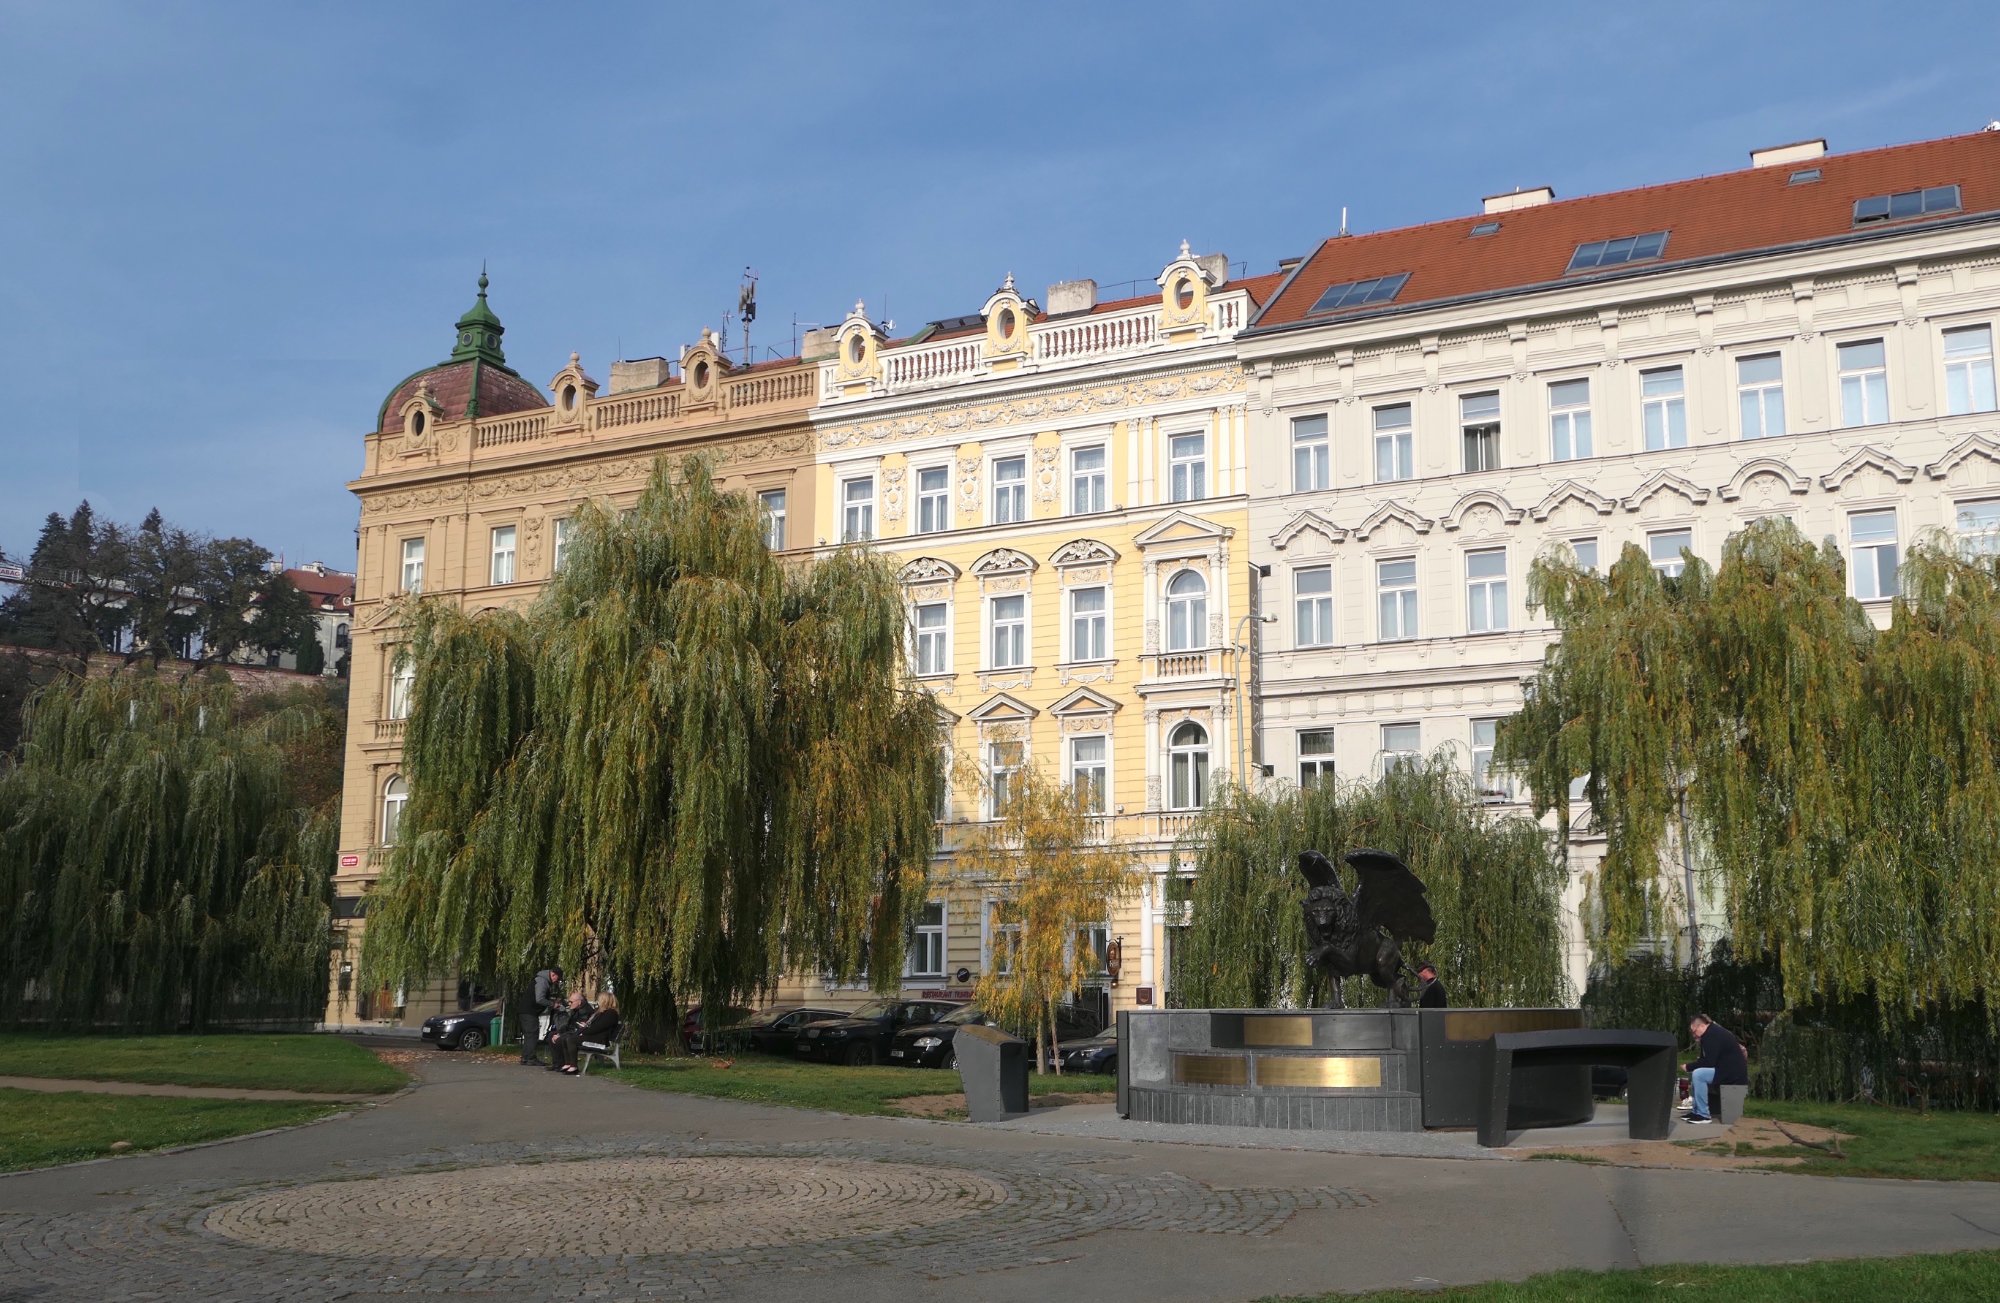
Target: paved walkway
(496,1182)
(66,1085)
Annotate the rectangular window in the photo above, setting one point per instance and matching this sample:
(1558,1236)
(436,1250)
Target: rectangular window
(413,565)
(1003,775)
(1010,490)
(1087,772)
(1316,757)
(1396,596)
(503,555)
(1907,203)
(1968,370)
(933,499)
(1610,253)
(402,686)
(1402,746)
(1188,460)
(1010,632)
(1663,408)
(941,794)
(857,510)
(1864,383)
(931,623)
(1088,636)
(1395,448)
(1312,591)
(1585,552)
(1760,395)
(926,953)
(1486,590)
(1355,294)
(1978,525)
(1087,477)
(1004,933)
(1665,549)
(1490,785)
(1479,427)
(1569,420)
(558,544)
(1874,565)
(1312,466)
(773,503)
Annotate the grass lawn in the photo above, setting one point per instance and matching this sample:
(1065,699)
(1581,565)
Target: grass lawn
(1893,1142)
(38,1130)
(1938,1276)
(247,1061)
(764,1079)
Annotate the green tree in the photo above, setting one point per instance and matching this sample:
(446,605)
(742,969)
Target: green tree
(1494,882)
(1054,878)
(689,763)
(310,654)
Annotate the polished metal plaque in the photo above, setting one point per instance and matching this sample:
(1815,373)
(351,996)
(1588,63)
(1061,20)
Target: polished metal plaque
(1289,1030)
(1478,1024)
(1328,1071)
(1211,1070)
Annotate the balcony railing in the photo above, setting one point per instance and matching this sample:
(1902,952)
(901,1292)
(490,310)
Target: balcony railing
(1205,663)
(390,730)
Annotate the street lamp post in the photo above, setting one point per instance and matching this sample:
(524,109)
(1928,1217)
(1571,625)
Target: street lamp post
(1242,716)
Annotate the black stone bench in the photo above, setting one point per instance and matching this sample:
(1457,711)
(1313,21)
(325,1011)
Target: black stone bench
(1648,1058)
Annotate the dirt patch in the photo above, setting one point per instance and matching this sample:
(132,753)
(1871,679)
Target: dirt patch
(952,1107)
(1753,1144)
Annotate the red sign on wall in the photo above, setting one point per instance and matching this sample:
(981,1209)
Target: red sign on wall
(350,861)
(1144,996)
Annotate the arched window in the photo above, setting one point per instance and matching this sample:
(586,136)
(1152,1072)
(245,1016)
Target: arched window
(395,795)
(402,687)
(1187,767)
(1187,612)
(339,635)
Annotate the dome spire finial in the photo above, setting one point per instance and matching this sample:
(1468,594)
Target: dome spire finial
(482,278)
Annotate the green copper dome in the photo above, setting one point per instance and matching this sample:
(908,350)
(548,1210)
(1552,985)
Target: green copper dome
(479,331)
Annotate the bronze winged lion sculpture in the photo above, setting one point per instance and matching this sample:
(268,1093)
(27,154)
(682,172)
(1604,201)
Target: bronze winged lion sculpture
(1362,934)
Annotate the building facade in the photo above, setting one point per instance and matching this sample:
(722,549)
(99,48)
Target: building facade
(1433,407)
(469,477)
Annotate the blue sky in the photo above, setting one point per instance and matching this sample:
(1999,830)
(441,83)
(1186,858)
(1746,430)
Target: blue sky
(227,230)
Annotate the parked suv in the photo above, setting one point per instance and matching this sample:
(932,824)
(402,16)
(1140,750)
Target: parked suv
(863,1036)
(929,1045)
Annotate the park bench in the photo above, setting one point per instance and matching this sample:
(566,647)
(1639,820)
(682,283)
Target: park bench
(607,1049)
(1648,1058)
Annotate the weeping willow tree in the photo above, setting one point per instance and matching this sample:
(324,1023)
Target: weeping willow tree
(687,764)
(1839,780)
(1495,887)
(159,868)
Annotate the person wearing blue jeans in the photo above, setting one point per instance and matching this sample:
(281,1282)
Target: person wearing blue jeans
(1723,1062)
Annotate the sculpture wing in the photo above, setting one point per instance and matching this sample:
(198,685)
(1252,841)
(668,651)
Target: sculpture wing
(1318,870)
(1391,897)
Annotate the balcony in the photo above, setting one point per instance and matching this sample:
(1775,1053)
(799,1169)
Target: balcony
(1202,663)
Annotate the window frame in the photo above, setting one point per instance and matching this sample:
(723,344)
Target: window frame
(1194,613)
(1576,553)
(559,532)
(1099,791)
(1007,500)
(1408,620)
(1486,595)
(1312,612)
(510,553)
(1970,364)
(422,545)
(1189,768)
(1677,562)
(402,686)
(1187,476)
(1315,767)
(933,505)
(1566,417)
(396,794)
(1870,382)
(1981,543)
(1669,406)
(1100,617)
(1312,453)
(1359,293)
(1388,757)
(1618,251)
(1000,789)
(1097,480)
(774,519)
(1881,588)
(923,933)
(1494,793)
(1018,625)
(1401,441)
(937,638)
(850,508)
(1479,432)
(1761,393)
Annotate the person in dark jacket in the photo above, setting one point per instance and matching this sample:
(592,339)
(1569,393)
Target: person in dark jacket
(598,1029)
(1430,992)
(1723,1062)
(575,1012)
(543,1001)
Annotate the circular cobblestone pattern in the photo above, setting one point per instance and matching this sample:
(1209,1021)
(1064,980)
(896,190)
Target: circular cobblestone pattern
(650,1205)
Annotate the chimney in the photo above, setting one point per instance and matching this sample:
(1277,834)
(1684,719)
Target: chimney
(645,373)
(1801,152)
(1072,296)
(1531,198)
(1217,267)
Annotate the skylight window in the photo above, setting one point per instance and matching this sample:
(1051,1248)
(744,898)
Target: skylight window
(1610,253)
(1354,294)
(1485,228)
(1907,203)
(1805,176)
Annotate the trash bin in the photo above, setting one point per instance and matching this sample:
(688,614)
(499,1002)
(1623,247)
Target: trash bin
(994,1068)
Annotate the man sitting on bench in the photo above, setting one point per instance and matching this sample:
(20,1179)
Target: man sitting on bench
(1723,1062)
(598,1030)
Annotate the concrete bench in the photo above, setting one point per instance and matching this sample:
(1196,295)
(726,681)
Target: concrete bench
(1648,1058)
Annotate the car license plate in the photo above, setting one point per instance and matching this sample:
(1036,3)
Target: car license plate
(895,1054)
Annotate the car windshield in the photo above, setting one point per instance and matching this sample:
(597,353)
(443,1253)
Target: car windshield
(875,1009)
(959,1017)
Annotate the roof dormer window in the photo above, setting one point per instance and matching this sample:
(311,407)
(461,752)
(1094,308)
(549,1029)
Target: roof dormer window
(1484,228)
(1612,253)
(1906,203)
(1355,294)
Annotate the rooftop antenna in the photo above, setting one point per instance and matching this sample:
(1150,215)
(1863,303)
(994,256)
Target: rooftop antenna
(1343,219)
(746,310)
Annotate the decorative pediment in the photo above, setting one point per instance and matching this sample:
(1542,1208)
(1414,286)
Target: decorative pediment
(1862,461)
(572,388)
(1001,708)
(1666,482)
(928,570)
(1004,561)
(1084,552)
(1180,527)
(1482,500)
(1308,522)
(1977,445)
(1007,317)
(1766,468)
(1085,702)
(1567,492)
(1393,513)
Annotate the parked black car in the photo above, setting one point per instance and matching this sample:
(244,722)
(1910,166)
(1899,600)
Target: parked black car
(695,1025)
(1097,1053)
(929,1045)
(772,1031)
(863,1036)
(468,1030)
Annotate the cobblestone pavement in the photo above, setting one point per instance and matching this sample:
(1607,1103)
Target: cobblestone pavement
(491,1182)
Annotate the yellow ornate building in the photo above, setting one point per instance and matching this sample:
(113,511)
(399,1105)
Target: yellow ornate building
(468,479)
(1065,489)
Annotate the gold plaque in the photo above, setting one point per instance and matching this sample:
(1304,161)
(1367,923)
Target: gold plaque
(1330,1071)
(1291,1030)
(1478,1024)
(1211,1070)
